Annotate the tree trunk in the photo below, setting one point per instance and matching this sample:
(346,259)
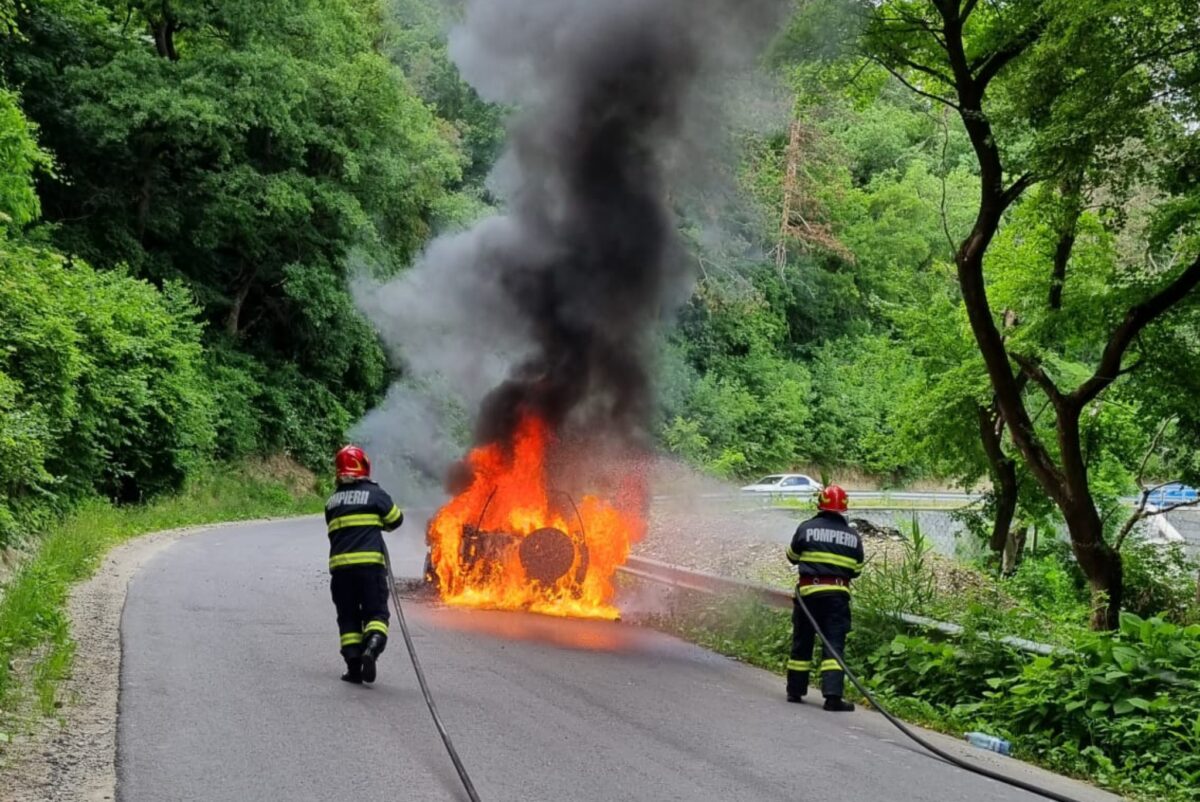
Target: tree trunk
(1014,547)
(1003,471)
(1006,507)
(1068,224)
(234,320)
(143,207)
(164,39)
(1100,562)
(163,30)
(1058,279)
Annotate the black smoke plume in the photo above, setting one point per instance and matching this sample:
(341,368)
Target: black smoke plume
(552,306)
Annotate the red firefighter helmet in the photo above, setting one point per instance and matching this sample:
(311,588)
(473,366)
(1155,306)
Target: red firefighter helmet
(833,499)
(352,463)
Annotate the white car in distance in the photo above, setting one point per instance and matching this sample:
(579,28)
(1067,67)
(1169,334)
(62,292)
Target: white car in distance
(789,483)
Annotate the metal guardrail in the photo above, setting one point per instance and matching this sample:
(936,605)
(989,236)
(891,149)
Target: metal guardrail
(689,579)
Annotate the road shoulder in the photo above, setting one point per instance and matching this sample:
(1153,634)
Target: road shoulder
(74,757)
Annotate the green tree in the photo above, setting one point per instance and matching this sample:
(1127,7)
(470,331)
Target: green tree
(1088,103)
(415,38)
(860,388)
(20,157)
(857,200)
(744,405)
(248,150)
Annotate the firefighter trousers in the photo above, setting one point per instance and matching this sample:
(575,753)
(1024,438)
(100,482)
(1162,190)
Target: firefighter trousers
(831,609)
(360,594)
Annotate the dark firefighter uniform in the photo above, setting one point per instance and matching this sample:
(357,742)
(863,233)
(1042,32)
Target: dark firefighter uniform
(356,515)
(829,553)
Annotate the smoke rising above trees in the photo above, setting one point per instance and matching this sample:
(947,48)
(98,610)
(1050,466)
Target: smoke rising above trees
(550,307)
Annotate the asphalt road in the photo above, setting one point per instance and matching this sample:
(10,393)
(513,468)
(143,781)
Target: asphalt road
(229,691)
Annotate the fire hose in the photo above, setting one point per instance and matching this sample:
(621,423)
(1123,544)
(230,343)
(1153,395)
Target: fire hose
(433,711)
(900,725)
(828,647)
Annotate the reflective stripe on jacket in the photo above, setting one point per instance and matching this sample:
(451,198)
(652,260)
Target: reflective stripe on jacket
(826,546)
(356,516)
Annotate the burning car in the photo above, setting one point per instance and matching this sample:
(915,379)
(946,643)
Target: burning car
(509,542)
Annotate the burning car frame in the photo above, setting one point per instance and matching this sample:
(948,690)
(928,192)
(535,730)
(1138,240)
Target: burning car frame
(508,542)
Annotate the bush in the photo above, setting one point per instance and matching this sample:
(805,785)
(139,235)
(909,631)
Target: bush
(236,382)
(263,408)
(859,388)
(20,157)
(1160,580)
(301,416)
(934,672)
(24,436)
(101,384)
(1124,706)
(1051,584)
(733,402)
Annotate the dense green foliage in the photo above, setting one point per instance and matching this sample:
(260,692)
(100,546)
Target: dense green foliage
(1121,708)
(865,331)
(806,360)
(104,379)
(184,189)
(101,381)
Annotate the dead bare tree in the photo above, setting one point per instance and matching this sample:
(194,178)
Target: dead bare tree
(803,218)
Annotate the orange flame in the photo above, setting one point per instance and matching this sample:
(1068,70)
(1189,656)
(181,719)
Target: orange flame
(476,537)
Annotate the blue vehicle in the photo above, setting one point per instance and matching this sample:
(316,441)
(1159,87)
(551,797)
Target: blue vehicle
(1171,495)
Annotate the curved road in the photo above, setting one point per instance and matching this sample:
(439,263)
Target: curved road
(229,691)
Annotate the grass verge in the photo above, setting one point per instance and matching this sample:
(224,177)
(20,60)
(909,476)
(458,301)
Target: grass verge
(33,618)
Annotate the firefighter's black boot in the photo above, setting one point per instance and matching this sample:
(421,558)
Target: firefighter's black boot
(838,705)
(354,673)
(797,680)
(371,651)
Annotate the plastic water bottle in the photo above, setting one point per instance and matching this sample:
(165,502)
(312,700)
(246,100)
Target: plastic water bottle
(991,742)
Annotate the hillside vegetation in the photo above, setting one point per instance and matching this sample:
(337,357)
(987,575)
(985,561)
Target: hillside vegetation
(948,260)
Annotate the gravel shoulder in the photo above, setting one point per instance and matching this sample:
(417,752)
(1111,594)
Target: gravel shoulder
(72,758)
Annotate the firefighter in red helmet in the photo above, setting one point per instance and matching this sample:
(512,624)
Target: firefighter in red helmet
(356,516)
(828,553)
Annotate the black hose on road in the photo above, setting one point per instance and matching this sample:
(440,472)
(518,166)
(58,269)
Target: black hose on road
(900,725)
(437,719)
